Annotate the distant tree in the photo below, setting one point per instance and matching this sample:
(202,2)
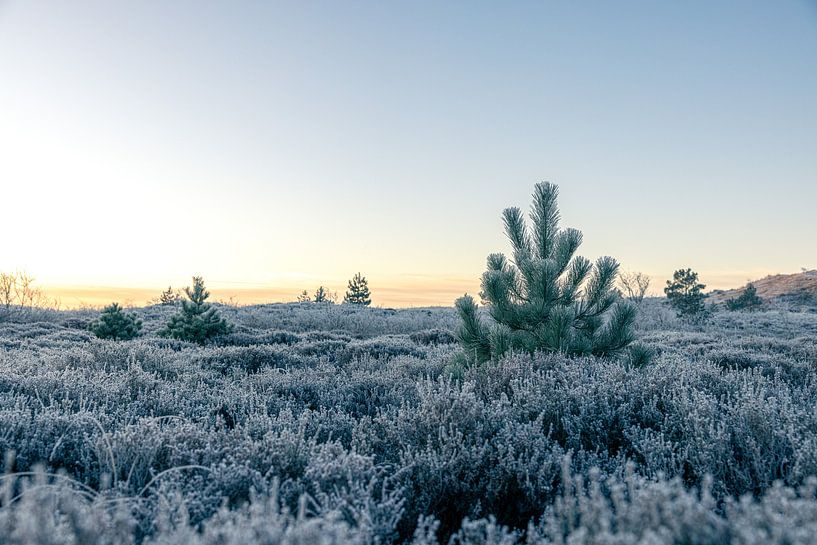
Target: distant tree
(27,295)
(545,298)
(634,285)
(170,296)
(685,294)
(358,291)
(321,296)
(304,297)
(7,293)
(748,300)
(197,321)
(231,301)
(116,324)
(19,295)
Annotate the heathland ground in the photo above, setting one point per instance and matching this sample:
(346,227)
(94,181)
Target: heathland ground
(321,423)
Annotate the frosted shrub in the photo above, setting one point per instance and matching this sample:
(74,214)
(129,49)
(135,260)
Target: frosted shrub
(353,432)
(545,297)
(433,336)
(197,321)
(249,359)
(384,348)
(114,323)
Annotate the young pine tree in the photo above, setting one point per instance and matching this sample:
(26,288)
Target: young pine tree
(321,296)
(748,300)
(197,321)
(358,292)
(685,294)
(169,297)
(304,297)
(115,324)
(545,298)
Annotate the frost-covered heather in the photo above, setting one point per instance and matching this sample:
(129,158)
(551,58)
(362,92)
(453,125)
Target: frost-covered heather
(328,424)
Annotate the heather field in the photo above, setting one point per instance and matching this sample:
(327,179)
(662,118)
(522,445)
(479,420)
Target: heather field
(408,273)
(321,423)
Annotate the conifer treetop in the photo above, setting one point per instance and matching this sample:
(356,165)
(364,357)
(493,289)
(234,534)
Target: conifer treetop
(321,296)
(358,291)
(545,297)
(114,323)
(685,294)
(197,321)
(748,300)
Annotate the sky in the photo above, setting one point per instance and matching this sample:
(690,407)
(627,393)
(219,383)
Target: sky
(276,146)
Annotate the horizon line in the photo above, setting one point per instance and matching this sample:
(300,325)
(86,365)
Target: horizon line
(424,291)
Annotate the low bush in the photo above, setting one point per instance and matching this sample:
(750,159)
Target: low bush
(433,336)
(382,348)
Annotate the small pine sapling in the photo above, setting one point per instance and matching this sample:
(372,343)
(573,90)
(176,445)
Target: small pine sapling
(321,295)
(358,291)
(545,298)
(304,297)
(685,294)
(169,297)
(748,300)
(114,323)
(197,321)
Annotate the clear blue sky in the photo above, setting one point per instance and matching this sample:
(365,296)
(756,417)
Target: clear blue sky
(272,144)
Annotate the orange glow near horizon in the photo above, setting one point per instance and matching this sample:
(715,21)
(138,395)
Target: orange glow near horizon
(410,292)
(403,292)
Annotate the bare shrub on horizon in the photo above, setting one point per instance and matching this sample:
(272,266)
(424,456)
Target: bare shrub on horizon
(21,298)
(634,285)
